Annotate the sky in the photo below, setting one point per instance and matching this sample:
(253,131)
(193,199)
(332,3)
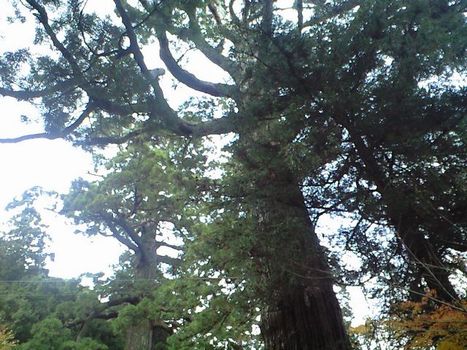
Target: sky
(51,165)
(54,164)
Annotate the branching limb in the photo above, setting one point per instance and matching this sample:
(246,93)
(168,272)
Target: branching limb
(213,54)
(131,233)
(55,135)
(32,94)
(136,51)
(160,109)
(44,20)
(118,235)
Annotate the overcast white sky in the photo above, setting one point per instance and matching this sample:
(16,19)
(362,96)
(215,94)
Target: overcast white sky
(51,165)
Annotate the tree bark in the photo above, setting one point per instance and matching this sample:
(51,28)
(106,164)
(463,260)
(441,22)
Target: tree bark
(302,310)
(403,217)
(145,334)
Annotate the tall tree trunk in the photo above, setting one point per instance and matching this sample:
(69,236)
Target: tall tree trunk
(302,310)
(145,334)
(402,215)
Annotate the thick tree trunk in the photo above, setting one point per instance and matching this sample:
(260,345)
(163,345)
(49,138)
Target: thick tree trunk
(420,250)
(146,336)
(302,310)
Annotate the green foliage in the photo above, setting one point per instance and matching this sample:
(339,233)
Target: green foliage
(36,306)
(48,334)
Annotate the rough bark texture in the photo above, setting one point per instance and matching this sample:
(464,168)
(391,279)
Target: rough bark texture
(303,312)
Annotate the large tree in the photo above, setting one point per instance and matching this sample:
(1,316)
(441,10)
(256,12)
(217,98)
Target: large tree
(320,89)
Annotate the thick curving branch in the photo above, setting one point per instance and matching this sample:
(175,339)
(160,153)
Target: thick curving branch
(44,20)
(159,108)
(161,115)
(187,78)
(195,35)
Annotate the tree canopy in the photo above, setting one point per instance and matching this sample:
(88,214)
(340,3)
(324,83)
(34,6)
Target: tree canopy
(350,109)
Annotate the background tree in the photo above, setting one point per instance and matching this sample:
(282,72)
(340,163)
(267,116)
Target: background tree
(43,312)
(145,203)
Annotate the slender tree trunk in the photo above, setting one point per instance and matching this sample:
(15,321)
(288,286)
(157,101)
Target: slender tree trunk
(145,335)
(302,310)
(402,215)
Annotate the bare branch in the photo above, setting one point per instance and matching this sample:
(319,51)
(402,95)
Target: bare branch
(168,245)
(169,260)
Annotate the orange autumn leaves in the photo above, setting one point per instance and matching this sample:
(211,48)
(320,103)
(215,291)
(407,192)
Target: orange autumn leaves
(425,324)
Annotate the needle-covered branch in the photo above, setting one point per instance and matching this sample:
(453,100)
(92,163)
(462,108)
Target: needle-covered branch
(32,94)
(331,12)
(53,135)
(43,18)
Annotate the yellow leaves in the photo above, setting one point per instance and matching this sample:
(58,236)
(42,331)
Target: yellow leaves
(360,330)
(449,345)
(427,323)
(7,340)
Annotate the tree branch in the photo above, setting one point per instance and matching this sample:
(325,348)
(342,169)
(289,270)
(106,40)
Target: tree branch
(159,108)
(31,94)
(44,20)
(332,11)
(213,54)
(120,221)
(168,245)
(187,78)
(168,260)
(110,221)
(52,136)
